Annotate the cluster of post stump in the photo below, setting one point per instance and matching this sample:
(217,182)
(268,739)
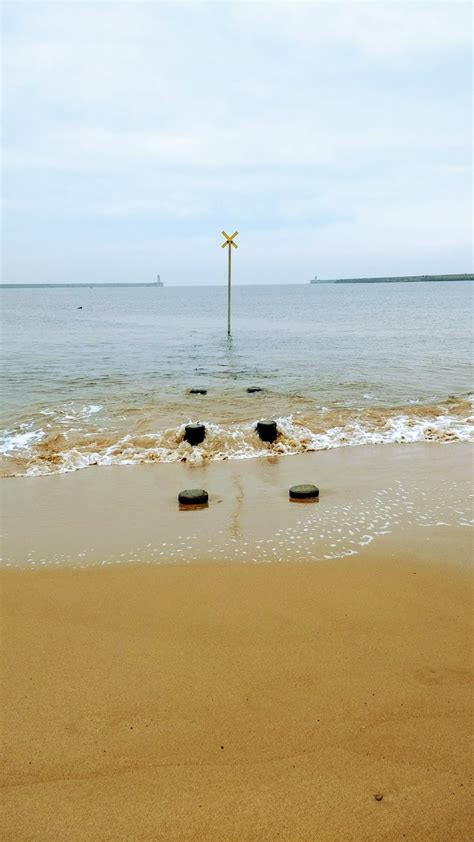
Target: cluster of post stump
(196,433)
(267,430)
(199,498)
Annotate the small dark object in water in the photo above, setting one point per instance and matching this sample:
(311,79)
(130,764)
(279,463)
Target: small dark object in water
(198,391)
(194,433)
(304,492)
(80,308)
(378,796)
(193,497)
(252,389)
(267,430)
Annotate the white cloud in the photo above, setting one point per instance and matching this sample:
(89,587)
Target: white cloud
(324,117)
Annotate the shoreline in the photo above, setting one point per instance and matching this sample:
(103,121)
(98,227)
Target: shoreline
(87,436)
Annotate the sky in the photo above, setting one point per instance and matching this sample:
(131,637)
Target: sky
(335,137)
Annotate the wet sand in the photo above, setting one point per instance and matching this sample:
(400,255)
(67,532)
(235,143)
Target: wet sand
(213,701)
(369,495)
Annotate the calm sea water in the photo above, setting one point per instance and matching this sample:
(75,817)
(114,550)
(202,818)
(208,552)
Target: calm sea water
(337,364)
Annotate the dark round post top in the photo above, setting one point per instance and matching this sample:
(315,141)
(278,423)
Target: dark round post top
(267,430)
(194,433)
(193,497)
(304,492)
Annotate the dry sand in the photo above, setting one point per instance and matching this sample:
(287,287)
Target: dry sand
(241,701)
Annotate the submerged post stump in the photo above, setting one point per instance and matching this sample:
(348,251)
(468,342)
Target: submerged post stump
(304,492)
(194,433)
(267,430)
(193,497)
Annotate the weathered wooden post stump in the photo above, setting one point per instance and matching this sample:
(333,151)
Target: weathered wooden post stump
(267,430)
(193,497)
(304,492)
(194,433)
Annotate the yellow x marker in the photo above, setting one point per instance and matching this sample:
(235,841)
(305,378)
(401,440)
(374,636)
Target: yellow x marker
(229,240)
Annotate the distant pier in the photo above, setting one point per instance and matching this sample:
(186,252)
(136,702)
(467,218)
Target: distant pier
(76,286)
(399,279)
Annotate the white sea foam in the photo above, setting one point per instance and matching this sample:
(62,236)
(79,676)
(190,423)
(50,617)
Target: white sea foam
(12,442)
(40,455)
(91,409)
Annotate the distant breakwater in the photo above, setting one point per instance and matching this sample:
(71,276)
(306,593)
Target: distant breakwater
(400,279)
(68,286)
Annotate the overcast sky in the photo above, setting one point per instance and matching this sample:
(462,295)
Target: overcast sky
(336,137)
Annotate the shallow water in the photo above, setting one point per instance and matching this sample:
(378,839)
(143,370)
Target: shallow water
(383,498)
(337,365)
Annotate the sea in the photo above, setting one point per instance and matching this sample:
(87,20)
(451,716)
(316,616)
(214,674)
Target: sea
(100,376)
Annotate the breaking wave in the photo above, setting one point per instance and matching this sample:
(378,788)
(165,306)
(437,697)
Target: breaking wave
(32,449)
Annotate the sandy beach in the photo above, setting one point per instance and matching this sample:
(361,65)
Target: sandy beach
(310,698)
(236,258)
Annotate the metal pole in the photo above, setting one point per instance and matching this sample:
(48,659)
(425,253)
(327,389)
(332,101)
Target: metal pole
(229,242)
(228,289)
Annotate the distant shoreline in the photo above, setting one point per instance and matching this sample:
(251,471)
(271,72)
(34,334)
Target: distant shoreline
(382,280)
